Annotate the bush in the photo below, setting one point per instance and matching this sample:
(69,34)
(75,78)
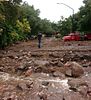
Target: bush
(14,36)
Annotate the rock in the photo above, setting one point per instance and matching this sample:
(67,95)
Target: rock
(1,56)
(57,96)
(38,69)
(68,72)
(87,56)
(41,66)
(41,63)
(23,67)
(20,58)
(54,63)
(89,91)
(54,55)
(89,97)
(30,85)
(45,83)
(74,96)
(28,72)
(83,90)
(60,64)
(42,96)
(36,54)
(62,59)
(76,70)
(85,65)
(16,57)
(24,86)
(21,86)
(11,56)
(58,74)
(76,83)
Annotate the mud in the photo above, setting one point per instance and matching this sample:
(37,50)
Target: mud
(29,73)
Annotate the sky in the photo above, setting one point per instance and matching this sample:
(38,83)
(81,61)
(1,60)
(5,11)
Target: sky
(52,11)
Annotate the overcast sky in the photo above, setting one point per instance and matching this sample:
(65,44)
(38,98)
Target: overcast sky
(52,11)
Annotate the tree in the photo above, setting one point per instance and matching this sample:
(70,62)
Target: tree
(46,26)
(32,16)
(65,26)
(8,17)
(85,16)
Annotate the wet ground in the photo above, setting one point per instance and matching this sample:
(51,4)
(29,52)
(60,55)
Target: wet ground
(30,73)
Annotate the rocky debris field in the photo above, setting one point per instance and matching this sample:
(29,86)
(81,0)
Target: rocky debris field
(57,71)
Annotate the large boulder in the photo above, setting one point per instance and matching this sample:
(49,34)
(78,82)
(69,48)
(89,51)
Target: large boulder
(73,69)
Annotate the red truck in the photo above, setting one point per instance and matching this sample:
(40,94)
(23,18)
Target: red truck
(87,36)
(72,37)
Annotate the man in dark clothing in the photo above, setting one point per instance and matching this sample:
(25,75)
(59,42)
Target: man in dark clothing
(39,39)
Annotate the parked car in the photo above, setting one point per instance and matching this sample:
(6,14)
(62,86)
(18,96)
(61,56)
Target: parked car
(87,36)
(72,37)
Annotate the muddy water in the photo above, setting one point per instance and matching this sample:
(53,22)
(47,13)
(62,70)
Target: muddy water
(55,85)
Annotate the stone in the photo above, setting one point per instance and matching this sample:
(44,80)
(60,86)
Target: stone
(68,72)
(23,67)
(76,69)
(41,63)
(38,69)
(89,91)
(21,86)
(74,96)
(60,64)
(36,54)
(85,65)
(76,83)
(28,72)
(24,86)
(11,56)
(45,83)
(54,55)
(55,96)
(42,96)
(83,90)
(58,74)
(53,63)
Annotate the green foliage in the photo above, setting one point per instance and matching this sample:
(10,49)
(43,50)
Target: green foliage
(13,36)
(65,26)
(12,29)
(10,10)
(26,26)
(23,28)
(31,14)
(16,1)
(46,26)
(84,21)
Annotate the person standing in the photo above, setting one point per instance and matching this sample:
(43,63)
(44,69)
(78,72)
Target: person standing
(39,39)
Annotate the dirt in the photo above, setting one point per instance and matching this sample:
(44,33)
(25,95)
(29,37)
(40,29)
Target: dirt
(30,73)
